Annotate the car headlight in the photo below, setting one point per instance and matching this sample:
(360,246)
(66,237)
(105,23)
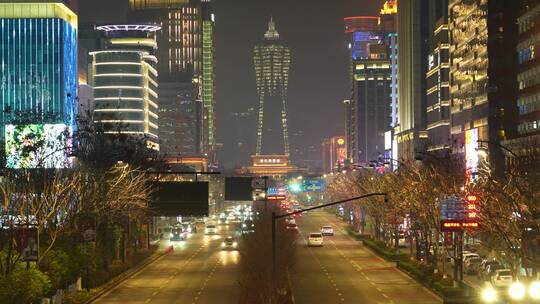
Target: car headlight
(235,244)
(516,291)
(489,294)
(534,290)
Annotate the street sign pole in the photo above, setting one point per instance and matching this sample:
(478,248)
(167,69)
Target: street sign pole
(274,244)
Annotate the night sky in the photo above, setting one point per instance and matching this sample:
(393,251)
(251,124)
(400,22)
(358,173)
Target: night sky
(318,82)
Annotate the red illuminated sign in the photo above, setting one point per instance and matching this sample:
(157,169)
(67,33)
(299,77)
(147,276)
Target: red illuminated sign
(472,198)
(456,225)
(276,197)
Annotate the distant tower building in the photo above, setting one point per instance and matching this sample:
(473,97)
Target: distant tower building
(38,81)
(272,62)
(124,78)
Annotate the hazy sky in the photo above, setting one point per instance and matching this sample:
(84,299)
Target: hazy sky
(319,71)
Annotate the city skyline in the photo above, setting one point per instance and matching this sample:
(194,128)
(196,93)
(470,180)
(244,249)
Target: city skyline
(313,35)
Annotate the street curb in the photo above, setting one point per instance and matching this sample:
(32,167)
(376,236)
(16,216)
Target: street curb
(115,282)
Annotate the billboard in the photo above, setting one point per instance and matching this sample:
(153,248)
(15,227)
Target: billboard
(239,189)
(180,198)
(38,146)
(471,154)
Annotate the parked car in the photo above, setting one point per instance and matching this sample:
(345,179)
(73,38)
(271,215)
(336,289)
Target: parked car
(502,278)
(472,264)
(490,271)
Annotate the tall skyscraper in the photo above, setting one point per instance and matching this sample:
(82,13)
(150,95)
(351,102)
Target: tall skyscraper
(272,61)
(186,65)
(124,78)
(38,80)
(371,111)
(438,82)
(413,51)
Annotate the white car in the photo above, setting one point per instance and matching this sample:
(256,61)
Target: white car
(502,278)
(315,239)
(210,229)
(327,230)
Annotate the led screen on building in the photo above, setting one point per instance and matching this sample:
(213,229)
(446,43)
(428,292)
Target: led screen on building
(471,153)
(37,146)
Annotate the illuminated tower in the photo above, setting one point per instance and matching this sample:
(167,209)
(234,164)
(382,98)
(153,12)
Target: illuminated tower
(272,62)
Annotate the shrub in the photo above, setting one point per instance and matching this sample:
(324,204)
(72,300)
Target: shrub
(24,286)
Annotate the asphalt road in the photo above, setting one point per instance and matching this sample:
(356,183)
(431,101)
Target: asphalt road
(196,272)
(343,271)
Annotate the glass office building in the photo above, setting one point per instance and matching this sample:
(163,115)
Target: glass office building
(38,77)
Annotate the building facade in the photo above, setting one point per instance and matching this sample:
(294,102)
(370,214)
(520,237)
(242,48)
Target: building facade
(124,78)
(373,102)
(180,120)
(438,82)
(410,132)
(38,81)
(528,99)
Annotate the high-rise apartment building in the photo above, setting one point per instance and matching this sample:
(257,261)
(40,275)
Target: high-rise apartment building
(482,77)
(38,82)
(124,78)
(186,61)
